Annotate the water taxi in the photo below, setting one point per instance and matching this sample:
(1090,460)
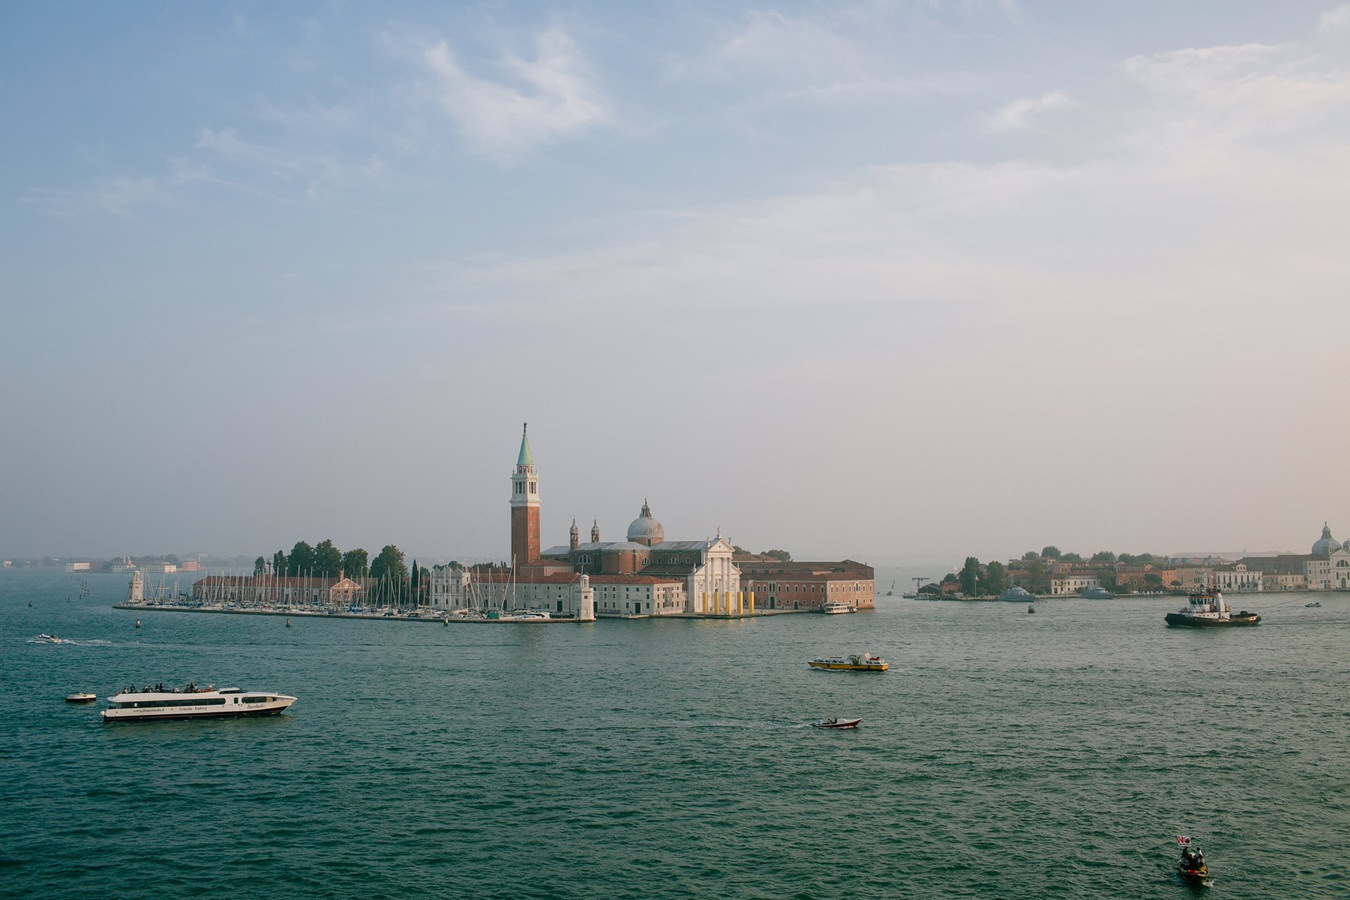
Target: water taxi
(1208,609)
(858,662)
(835,607)
(192,702)
(1191,867)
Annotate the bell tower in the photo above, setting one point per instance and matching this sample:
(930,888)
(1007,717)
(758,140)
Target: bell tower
(524,506)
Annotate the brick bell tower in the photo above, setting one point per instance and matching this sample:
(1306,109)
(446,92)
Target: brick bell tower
(524,507)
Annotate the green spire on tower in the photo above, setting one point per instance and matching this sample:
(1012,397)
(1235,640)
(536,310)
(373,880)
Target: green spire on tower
(526,457)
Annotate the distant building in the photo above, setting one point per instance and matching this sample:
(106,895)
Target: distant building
(642,575)
(807,585)
(1069,585)
(1325,568)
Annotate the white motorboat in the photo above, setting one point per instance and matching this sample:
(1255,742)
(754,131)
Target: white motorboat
(192,702)
(81,697)
(835,607)
(47,639)
(836,722)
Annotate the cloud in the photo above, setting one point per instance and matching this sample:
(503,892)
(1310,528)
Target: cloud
(1243,91)
(551,97)
(1016,115)
(1335,21)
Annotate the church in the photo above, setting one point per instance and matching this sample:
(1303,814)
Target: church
(642,576)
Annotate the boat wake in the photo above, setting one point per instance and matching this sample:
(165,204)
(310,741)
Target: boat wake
(52,639)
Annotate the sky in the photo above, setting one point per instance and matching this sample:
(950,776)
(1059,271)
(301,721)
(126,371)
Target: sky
(891,280)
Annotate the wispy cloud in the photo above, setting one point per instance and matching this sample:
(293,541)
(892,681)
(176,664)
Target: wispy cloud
(550,97)
(1335,21)
(1017,115)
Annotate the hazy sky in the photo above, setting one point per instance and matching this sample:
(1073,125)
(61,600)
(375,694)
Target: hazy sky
(885,280)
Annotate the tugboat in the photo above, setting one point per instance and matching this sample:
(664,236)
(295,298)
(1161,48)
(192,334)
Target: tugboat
(1208,609)
(1191,867)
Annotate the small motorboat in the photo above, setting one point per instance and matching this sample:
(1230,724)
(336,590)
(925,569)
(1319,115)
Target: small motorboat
(1314,605)
(858,662)
(1031,609)
(1191,867)
(836,722)
(45,638)
(81,697)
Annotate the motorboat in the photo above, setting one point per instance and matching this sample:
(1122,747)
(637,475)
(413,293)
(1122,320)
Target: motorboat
(1191,867)
(857,662)
(835,722)
(192,702)
(1017,594)
(47,639)
(835,607)
(81,697)
(1208,609)
(1097,592)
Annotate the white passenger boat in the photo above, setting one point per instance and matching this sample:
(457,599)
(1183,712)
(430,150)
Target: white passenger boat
(835,607)
(192,702)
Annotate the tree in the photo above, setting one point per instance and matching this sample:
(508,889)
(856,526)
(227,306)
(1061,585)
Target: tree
(1107,578)
(1029,556)
(327,560)
(995,578)
(1037,582)
(1070,557)
(259,566)
(1153,581)
(279,564)
(389,572)
(354,563)
(970,576)
(1051,552)
(1103,556)
(301,560)
(780,555)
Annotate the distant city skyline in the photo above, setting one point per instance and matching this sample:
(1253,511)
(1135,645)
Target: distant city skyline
(895,282)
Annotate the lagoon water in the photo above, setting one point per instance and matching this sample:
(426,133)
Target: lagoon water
(1004,755)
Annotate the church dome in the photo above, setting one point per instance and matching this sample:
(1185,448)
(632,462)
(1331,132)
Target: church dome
(1327,544)
(646,530)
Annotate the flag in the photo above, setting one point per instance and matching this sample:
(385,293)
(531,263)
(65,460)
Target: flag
(1183,841)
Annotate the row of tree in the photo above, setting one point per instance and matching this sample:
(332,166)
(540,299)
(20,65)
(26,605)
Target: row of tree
(1101,556)
(388,574)
(978,579)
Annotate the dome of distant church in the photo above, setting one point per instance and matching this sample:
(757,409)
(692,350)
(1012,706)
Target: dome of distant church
(645,529)
(1327,544)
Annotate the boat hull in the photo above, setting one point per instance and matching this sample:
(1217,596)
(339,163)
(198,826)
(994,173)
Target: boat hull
(842,723)
(153,716)
(1177,620)
(848,667)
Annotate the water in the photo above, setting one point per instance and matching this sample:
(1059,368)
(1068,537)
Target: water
(1004,755)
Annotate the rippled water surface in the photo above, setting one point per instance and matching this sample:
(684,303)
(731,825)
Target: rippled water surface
(1004,754)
